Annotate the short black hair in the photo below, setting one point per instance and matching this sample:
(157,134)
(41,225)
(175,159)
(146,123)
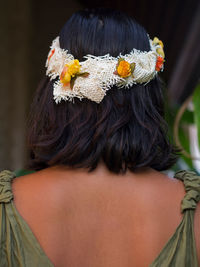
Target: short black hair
(126,130)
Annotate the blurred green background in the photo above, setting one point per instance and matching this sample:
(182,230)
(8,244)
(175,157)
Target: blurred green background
(27,28)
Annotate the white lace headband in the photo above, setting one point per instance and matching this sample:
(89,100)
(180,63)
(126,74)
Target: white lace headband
(97,74)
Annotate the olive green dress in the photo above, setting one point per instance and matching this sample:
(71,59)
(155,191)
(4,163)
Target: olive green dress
(20,248)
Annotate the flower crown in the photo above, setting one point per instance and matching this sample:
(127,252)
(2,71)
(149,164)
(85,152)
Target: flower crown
(97,74)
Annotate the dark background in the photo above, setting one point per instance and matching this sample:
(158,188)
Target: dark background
(27,28)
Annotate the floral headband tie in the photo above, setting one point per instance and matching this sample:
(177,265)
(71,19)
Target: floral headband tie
(97,74)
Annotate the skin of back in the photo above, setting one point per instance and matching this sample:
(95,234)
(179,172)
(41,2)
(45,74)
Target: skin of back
(101,219)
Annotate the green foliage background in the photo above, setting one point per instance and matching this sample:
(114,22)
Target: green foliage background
(189,117)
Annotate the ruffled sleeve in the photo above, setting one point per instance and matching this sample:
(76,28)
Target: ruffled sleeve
(5,186)
(192,188)
(180,250)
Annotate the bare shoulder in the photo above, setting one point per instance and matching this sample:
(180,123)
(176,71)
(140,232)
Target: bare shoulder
(159,186)
(41,188)
(55,184)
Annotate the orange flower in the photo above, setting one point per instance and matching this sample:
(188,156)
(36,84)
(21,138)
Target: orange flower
(52,52)
(124,69)
(159,63)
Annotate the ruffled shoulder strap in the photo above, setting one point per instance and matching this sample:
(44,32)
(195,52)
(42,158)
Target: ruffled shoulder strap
(6,194)
(180,250)
(192,188)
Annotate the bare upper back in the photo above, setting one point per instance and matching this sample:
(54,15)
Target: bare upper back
(100,219)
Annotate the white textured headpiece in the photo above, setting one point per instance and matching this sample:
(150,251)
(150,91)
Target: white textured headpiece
(97,74)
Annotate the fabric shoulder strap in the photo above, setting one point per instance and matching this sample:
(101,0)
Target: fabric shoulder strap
(192,188)
(180,250)
(6,194)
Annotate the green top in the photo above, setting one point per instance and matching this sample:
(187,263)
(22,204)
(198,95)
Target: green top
(20,248)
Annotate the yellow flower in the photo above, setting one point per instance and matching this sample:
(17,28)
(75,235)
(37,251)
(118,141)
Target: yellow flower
(159,50)
(156,41)
(65,77)
(73,67)
(161,43)
(70,70)
(124,69)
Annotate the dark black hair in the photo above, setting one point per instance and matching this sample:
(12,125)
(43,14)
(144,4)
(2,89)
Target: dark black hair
(126,130)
